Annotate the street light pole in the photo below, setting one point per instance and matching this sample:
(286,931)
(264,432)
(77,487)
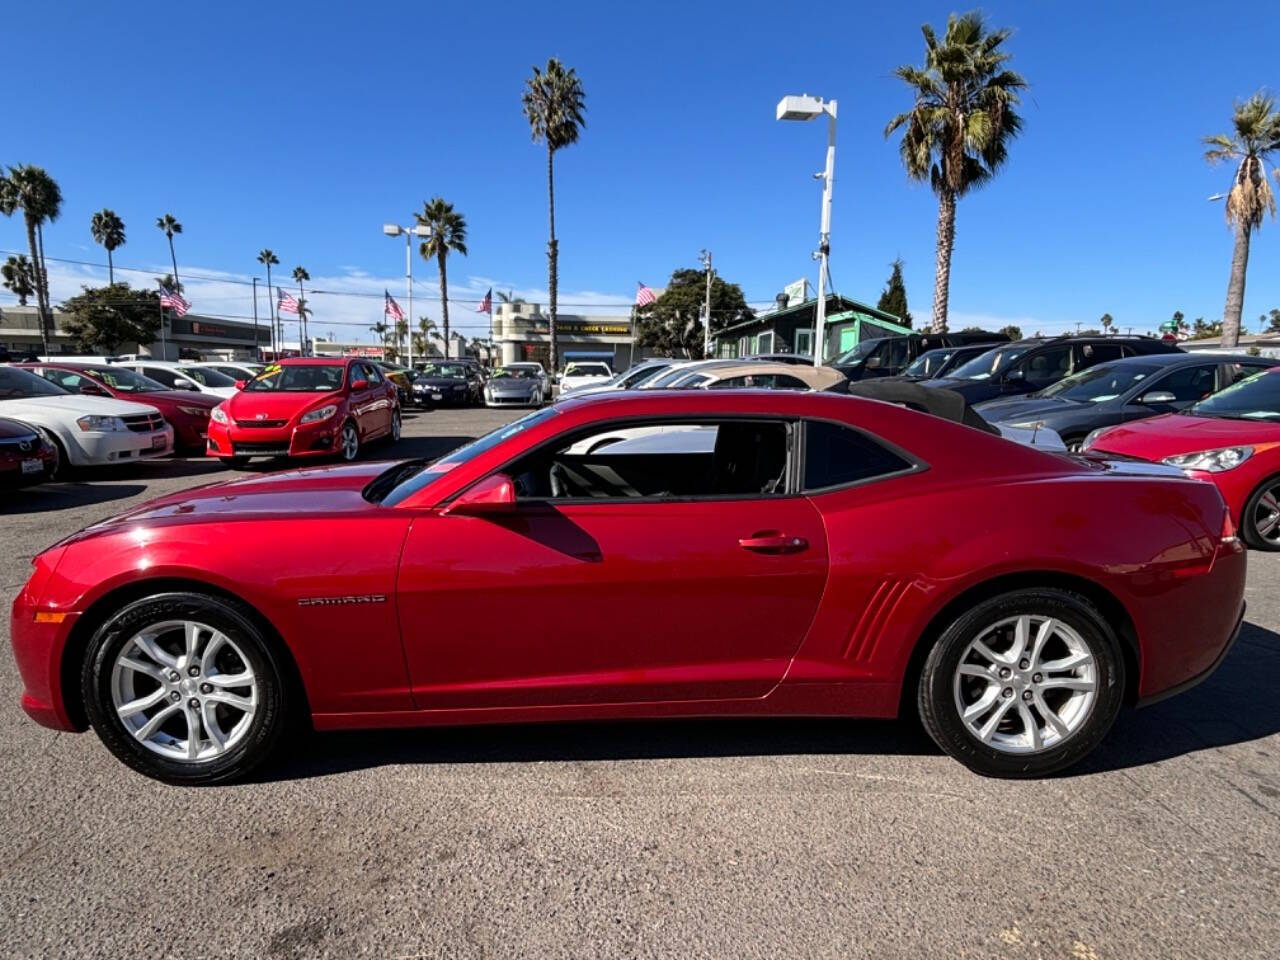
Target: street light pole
(394,230)
(806,107)
(706,310)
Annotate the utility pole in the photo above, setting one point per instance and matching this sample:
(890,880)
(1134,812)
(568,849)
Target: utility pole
(255,319)
(408,276)
(706,309)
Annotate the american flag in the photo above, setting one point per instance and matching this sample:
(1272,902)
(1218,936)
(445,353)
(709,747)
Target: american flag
(644,296)
(486,305)
(390,308)
(173,300)
(286,302)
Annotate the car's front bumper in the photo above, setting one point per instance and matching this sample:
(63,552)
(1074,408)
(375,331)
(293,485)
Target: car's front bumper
(512,400)
(441,398)
(292,440)
(38,643)
(91,448)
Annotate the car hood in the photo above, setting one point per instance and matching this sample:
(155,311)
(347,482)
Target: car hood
(72,405)
(1172,434)
(439,382)
(974,391)
(270,405)
(186,397)
(1023,408)
(512,384)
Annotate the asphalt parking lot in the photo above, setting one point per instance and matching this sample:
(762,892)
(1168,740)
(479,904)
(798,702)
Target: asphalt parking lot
(675,839)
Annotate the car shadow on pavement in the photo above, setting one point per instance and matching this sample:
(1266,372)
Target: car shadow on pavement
(65,496)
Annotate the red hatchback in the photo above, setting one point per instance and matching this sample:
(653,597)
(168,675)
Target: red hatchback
(1231,438)
(186,410)
(306,408)
(724,552)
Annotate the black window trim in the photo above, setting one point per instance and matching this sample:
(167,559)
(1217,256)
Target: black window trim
(915,463)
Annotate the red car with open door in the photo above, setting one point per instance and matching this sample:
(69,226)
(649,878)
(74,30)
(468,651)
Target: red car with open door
(722,552)
(308,407)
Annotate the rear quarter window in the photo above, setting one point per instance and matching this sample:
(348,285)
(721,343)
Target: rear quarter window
(836,455)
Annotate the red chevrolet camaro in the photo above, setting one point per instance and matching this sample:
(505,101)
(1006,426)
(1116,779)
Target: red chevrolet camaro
(1231,438)
(721,552)
(309,407)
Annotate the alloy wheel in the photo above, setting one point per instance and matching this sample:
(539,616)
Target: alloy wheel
(184,690)
(1266,515)
(395,427)
(1025,684)
(350,441)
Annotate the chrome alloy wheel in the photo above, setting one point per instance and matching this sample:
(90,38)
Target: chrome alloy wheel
(1266,515)
(184,690)
(1025,684)
(395,427)
(350,441)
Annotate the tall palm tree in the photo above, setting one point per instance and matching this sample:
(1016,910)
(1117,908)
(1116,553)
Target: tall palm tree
(108,231)
(956,135)
(448,233)
(380,328)
(554,103)
(19,277)
(169,224)
(1256,138)
(31,190)
(268,259)
(300,274)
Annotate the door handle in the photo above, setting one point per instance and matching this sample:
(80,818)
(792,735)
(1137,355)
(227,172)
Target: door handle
(770,541)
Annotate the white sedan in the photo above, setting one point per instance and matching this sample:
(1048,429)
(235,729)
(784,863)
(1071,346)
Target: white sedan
(185,376)
(87,430)
(578,375)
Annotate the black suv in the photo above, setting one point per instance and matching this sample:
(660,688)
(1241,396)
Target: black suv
(1030,365)
(890,356)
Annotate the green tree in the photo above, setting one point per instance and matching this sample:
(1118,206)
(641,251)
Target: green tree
(103,318)
(168,281)
(956,135)
(1255,138)
(169,225)
(267,257)
(425,334)
(554,103)
(380,328)
(1180,322)
(448,235)
(672,324)
(1012,331)
(1273,319)
(894,297)
(108,232)
(1107,323)
(300,274)
(31,190)
(19,277)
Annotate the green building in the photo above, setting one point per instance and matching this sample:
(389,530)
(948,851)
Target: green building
(790,329)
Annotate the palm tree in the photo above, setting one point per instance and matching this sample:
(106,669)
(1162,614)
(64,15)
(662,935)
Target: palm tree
(300,274)
(108,231)
(956,135)
(31,190)
(448,232)
(19,277)
(169,224)
(508,297)
(554,103)
(269,259)
(1107,323)
(380,328)
(1257,136)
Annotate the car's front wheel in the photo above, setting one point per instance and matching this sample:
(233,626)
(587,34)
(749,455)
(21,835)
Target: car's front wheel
(395,426)
(1023,684)
(185,688)
(349,441)
(1260,522)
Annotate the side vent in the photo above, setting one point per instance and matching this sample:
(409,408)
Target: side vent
(888,594)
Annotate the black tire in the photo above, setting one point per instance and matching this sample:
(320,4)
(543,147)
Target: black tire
(1254,537)
(937,697)
(397,425)
(264,729)
(349,452)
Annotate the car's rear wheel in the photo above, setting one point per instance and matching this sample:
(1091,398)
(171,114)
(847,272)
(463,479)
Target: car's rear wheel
(185,688)
(1260,522)
(1023,685)
(395,426)
(349,441)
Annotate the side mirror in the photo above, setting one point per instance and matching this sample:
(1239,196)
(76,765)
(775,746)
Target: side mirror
(186,385)
(1157,396)
(240,384)
(359,384)
(1017,373)
(493,494)
(873,363)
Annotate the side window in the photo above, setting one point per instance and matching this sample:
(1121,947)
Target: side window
(1188,384)
(64,379)
(165,376)
(836,455)
(893,356)
(1242,371)
(1088,354)
(373,373)
(678,461)
(1047,367)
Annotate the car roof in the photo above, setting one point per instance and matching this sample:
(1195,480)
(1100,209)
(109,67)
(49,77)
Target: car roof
(1173,359)
(816,378)
(315,361)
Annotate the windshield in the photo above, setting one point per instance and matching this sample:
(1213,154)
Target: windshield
(928,363)
(587,370)
(985,364)
(668,377)
(451,371)
(517,373)
(1257,398)
(300,378)
(420,475)
(859,352)
(124,379)
(1100,384)
(18,384)
(207,377)
(633,378)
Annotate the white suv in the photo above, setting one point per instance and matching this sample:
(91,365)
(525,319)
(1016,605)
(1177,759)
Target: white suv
(577,375)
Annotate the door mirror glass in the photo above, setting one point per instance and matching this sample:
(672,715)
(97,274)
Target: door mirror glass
(1157,396)
(873,363)
(494,494)
(186,385)
(360,385)
(1017,373)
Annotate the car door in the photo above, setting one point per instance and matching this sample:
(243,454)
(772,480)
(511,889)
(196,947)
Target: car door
(364,399)
(382,394)
(622,593)
(1175,390)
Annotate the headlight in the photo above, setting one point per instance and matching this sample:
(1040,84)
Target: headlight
(219,415)
(101,424)
(1212,461)
(1093,435)
(195,411)
(323,413)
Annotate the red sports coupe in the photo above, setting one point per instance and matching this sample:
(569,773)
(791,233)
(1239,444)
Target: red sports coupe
(306,408)
(1231,439)
(722,552)
(185,410)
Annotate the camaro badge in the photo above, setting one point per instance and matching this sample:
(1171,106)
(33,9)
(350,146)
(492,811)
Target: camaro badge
(341,601)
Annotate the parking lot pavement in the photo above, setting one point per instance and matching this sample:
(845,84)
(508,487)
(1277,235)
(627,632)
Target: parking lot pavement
(676,839)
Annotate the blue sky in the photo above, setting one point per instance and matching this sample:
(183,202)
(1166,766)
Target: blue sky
(305,127)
